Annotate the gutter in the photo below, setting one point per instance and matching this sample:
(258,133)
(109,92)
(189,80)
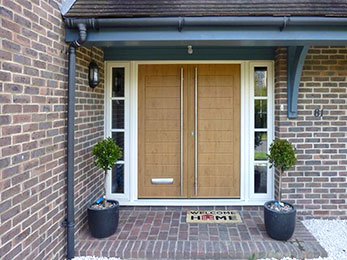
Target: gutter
(180,22)
(69,223)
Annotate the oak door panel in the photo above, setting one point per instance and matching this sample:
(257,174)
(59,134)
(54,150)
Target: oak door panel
(159,130)
(218,131)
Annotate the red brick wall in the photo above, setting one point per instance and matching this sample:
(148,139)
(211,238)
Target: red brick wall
(89,123)
(317,185)
(33,105)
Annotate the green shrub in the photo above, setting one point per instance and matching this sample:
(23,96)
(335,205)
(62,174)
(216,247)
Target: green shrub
(282,157)
(106,153)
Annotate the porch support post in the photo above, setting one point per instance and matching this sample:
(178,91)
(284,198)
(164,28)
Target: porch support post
(295,57)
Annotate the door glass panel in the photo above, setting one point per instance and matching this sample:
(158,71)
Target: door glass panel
(260,81)
(118,137)
(260,145)
(260,178)
(261,128)
(260,107)
(117,117)
(118,178)
(118,114)
(118,82)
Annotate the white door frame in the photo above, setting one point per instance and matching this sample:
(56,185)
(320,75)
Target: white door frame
(130,197)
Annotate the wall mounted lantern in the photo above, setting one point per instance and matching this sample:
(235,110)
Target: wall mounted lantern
(93,74)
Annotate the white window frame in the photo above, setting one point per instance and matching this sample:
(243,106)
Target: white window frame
(130,196)
(121,197)
(270,126)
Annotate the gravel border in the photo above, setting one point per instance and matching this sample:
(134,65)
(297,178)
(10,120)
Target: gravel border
(288,258)
(331,234)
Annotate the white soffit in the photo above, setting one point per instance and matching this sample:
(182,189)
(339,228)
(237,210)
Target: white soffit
(65,6)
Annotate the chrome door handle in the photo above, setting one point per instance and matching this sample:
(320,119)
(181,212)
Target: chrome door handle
(196,130)
(181,137)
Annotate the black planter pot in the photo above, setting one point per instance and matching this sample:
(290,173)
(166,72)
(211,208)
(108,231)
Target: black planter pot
(103,222)
(279,225)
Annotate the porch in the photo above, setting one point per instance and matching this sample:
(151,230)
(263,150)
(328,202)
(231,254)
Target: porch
(162,233)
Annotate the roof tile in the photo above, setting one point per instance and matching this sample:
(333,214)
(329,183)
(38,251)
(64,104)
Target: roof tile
(167,8)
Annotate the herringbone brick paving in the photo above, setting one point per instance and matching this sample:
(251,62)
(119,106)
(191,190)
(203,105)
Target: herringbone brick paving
(162,233)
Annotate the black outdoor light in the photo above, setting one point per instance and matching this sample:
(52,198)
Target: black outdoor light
(93,74)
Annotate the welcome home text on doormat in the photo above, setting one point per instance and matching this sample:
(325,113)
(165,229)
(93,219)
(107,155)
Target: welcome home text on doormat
(213,216)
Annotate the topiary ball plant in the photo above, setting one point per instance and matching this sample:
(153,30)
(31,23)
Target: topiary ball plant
(106,153)
(282,157)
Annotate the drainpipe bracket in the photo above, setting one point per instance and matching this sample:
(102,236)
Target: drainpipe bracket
(66,224)
(180,24)
(93,24)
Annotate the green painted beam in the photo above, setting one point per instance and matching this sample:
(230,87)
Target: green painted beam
(295,59)
(199,53)
(210,36)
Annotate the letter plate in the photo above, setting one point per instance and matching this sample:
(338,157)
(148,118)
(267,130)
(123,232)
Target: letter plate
(162,180)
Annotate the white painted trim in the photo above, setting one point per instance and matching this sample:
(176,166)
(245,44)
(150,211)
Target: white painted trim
(108,125)
(193,202)
(243,126)
(270,129)
(245,142)
(134,131)
(131,196)
(197,62)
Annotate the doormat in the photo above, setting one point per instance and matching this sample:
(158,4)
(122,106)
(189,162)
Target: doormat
(213,216)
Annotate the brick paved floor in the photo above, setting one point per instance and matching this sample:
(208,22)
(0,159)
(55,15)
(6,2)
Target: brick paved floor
(162,233)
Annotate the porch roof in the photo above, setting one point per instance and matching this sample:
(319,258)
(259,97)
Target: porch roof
(185,8)
(210,31)
(296,32)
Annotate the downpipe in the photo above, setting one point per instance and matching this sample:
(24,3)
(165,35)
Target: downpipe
(69,223)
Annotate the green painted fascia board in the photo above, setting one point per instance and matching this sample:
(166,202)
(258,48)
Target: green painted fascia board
(199,53)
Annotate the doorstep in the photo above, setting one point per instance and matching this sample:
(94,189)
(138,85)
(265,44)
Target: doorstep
(162,233)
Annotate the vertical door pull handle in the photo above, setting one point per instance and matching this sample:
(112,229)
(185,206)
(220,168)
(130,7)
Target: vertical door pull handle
(196,131)
(181,137)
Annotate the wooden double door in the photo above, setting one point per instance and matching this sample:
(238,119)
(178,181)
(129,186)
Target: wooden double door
(189,131)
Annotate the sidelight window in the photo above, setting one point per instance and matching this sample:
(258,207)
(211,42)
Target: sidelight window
(118,126)
(262,135)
